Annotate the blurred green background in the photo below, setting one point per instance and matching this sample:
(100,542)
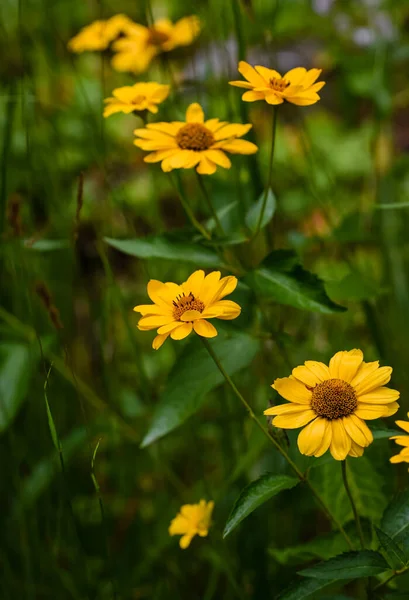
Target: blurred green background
(76,529)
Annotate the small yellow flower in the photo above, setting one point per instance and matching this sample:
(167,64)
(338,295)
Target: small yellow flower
(193,519)
(195,143)
(402,440)
(296,86)
(99,34)
(180,309)
(135,51)
(335,401)
(141,96)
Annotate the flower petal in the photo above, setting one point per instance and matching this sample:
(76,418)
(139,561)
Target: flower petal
(218,157)
(250,74)
(204,328)
(356,450)
(401,440)
(364,370)
(184,541)
(294,420)
(237,146)
(251,96)
(194,283)
(306,376)
(358,430)
(242,84)
(341,442)
(311,437)
(159,340)
(153,322)
(381,395)
(370,411)
(403,425)
(232,130)
(376,379)
(284,409)
(267,74)
(320,370)
(182,331)
(206,166)
(292,390)
(223,309)
(194,113)
(191,315)
(295,76)
(344,365)
(391,409)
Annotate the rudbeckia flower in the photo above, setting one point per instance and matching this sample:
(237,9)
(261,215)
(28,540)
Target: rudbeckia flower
(296,86)
(193,519)
(99,34)
(180,309)
(141,96)
(195,143)
(334,402)
(402,440)
(135,51)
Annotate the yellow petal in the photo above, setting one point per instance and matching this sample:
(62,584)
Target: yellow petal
(320,370)
(253,96)
(285,409)
(206,166)
(391,409)
(153,322)
(226,286)
(306,376)
(401,440)
(403,425)
(341,442)
(204,328)
(231,130)
(364,370)
(250,74)
(242,84)
(344,365)
(191,315)
(273,98)
(398,458)
(370,411)
(293,421)
(194,283)
(356,450)
(310,77)
(311,437)
(237,146)
(169,327)
(267,74)
(182,331)
(150,309)
(292,390)
(185,541)
(218,157)
(158,341)
(381,395)
(295,76)
(376,379)
(326,441)
(303,100)
(358,430)
(194,113)
(223,309)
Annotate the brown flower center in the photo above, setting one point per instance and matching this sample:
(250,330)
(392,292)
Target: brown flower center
(185,302)
(278,85)
(333,399)
(156,37)
(194,136)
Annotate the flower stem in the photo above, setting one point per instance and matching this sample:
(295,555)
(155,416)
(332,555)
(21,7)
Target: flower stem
(270,170)
(354,510)
(209,203)
(178,185)
(281,450)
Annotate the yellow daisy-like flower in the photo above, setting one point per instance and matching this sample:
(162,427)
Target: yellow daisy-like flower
(99,34)
(141,44)
(141,96)
(180,309)
(296,86)
(193,519)
(335,402)
(402,440)
(195,143)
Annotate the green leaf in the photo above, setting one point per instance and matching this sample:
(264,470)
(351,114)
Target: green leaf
(253,214)
(305,589)
(354,286)
(383,434)
(397,557)
(169,248)
(322,547)
(395,520)
(17,363)
(366,486)
(46,245)
(349,565)
(193,376)
(282,279)
(255,494)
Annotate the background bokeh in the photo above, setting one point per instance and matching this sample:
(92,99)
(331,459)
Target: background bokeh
(67,294)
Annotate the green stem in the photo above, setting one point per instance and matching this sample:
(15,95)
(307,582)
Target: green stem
(281,450)
(209,203)
(179,188)
(270,170)
(394,574)
(241,40)
(354,510)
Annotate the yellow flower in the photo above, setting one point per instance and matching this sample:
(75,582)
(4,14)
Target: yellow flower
(335,401)
(401,440)
(180,309)
(141,96)
(296,86)
(135,51)
(195,143)
(99,34)
(193,519)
